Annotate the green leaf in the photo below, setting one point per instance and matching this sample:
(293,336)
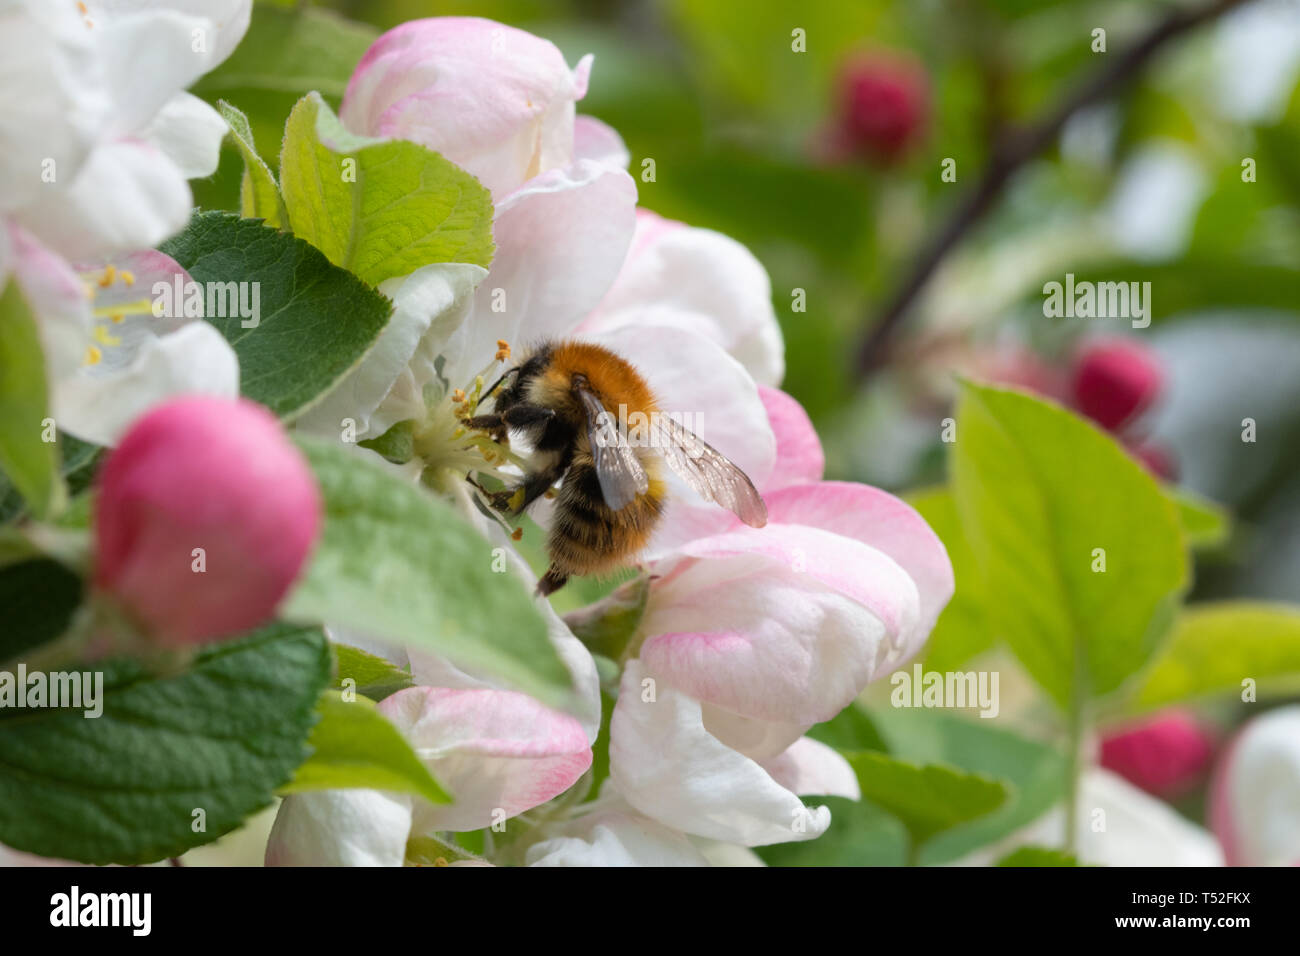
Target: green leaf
(379,208)
(1045,499)
(1215,647)
(1205,523)
(400,564)
(962,630)
(259,195)
(80,460)
(355,746)
(39,598)
(372,676)
(31,463)
(316,321)
(927,799)
(128,786)
(1037,856)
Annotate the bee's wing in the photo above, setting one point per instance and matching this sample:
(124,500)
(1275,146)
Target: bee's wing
(708,471)
(621,476)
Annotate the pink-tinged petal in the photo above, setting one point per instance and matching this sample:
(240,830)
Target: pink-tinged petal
(1255,793)
(789,631)
(669,767)
(598,141)
(340,828)
(495,100)
(811,767)
(701,280)
(799,456)
(128,195)
(493,750)
(878,519)
(57,297)
(560,241)
(612,838)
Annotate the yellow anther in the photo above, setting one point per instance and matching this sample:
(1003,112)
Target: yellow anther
(117,317)
(103,337)
(458,395)
(106,279)
(517,534)
(128,278)
(93,355)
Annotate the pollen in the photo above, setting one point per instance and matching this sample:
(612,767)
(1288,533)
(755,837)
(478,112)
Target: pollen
(517,534)
(93,355)
(128,278)
(117,317)
(458,396)
(107,277)
(503,350)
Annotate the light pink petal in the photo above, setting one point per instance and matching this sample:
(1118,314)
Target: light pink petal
(495,100)
(700,280)
(560,240)
(598,141)
(57,297)
(189,132)
(1255,793)
(789,630)
(878,519)
(340,828)
(670,768)
(811,767)
(799,456)
(497,752)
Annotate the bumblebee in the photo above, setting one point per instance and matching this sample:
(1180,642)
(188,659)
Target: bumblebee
(563,398)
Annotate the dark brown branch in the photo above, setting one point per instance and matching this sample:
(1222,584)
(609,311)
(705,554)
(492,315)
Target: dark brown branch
(1016,149)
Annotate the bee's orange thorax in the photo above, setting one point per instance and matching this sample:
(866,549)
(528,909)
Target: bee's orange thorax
(613,378)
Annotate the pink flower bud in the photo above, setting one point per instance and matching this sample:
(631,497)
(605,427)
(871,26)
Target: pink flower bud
(1165,756)
(883,103)
(206,513)
(1114,380)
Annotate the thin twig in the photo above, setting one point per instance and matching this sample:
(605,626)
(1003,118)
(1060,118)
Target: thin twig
(1016,149)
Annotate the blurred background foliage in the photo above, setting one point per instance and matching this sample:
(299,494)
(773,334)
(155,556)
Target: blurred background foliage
(1189,178)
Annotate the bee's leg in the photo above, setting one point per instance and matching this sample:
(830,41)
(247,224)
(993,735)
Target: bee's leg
(484,423)
(498,500)
(525,415)
(551,581)
(534,486)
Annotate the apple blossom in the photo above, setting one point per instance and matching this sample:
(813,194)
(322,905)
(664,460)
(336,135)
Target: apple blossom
(1255,792)
(96,171)
(751,636)
(205,516)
